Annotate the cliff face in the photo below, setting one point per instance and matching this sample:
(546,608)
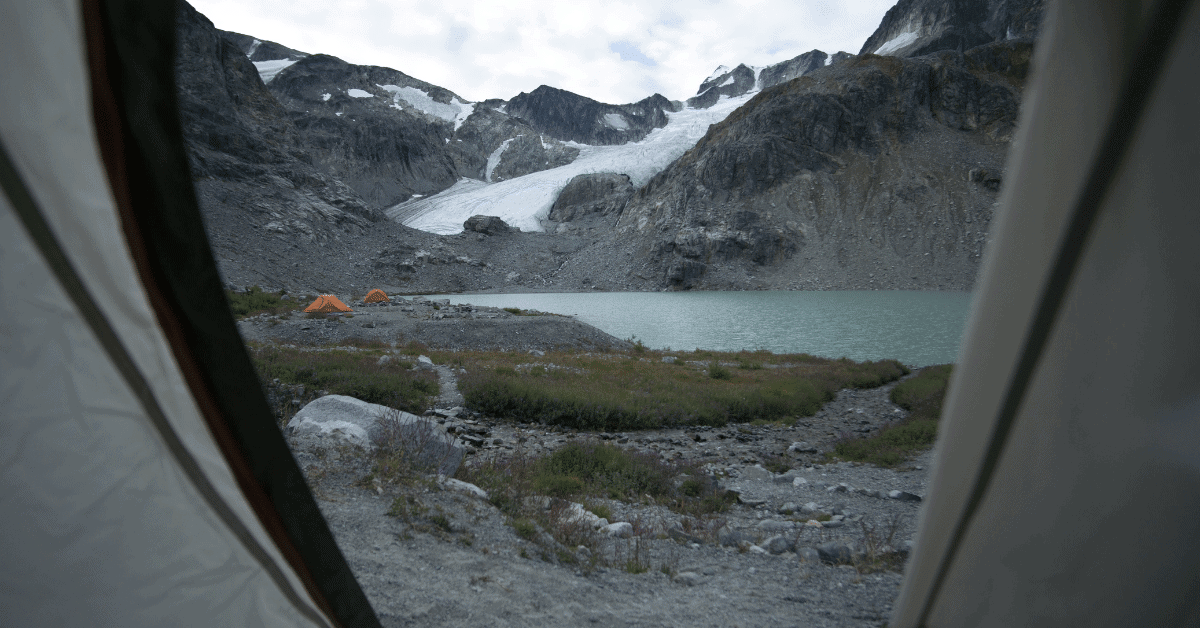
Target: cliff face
(567,116)
(918,27)
(877,171)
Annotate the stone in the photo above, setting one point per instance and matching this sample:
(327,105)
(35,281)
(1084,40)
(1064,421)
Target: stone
(424,362)
(756,473)
(728,537)
(373,426)
(808,555)
(904,496)
(487,225)
(683,537)
(799,481)
(788,508)
(833,523)
(835,552)
(810,507)
(801,447)
(778,544)
(836,488)
(755,549)
(775,525)
(689,578)
(459,486)
(621,529)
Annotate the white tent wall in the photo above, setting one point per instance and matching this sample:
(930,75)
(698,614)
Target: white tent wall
(102,524)
(1089,515)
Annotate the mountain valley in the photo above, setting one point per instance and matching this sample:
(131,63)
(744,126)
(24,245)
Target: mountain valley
(871,171)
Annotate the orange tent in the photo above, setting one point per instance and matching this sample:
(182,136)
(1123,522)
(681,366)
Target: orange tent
(327,303)
(375,296)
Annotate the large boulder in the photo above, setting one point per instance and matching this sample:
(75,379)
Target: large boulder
(487,225)
(599,193)
(373,426)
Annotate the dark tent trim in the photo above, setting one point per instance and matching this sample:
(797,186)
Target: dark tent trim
(1154,45)
(131,45)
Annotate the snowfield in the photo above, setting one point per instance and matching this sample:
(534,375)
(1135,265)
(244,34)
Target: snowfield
(268,69)
(525,201)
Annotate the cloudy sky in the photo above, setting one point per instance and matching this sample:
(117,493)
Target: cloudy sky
(615,51)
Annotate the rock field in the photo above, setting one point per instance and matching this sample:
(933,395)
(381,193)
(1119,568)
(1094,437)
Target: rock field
(445,556)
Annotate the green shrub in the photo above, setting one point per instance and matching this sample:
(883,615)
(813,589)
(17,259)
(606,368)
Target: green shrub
(356,374)
(716,371)
(254,301)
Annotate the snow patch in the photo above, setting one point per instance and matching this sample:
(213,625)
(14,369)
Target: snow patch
(494,158)
(338,113)
(326,96)
(728,81)
(456,112)
(525,201)
(267,70)
(758,70)
(896,43)
(828,59)
(616,121)
(721,69)
(253,48)
(359,93)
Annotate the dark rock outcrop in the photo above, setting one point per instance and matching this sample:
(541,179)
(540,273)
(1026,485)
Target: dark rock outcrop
(603,194)
(571,117)
(876,169)
(918,27)
(257,50)
(731,83)
(487,225)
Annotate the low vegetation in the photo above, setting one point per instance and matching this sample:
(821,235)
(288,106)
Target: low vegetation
(643,389)
(922,396)
(361,374)
(536,494)
(254,301)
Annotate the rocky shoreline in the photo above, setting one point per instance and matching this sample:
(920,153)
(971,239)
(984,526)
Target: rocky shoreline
(448,558)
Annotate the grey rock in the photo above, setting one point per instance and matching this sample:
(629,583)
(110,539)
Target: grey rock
(487,225)
(756,473)
(683,537)
(689,578)
(778,544)
(621,529)
(808,555)
(835,552)
(729,537)
(904,496)
(374,426)
(775,525)
(601,193)
(921,27)
(568,116)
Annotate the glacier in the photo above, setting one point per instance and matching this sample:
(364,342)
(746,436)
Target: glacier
(525,201)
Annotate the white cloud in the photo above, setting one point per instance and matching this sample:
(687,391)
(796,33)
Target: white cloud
(496,49)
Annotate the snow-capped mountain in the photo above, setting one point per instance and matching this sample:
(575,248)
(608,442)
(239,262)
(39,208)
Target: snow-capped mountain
(301,150)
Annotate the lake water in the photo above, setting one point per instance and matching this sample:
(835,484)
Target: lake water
(918,328)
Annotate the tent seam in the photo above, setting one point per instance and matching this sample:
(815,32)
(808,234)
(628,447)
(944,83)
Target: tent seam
(51,249)
(1155,43)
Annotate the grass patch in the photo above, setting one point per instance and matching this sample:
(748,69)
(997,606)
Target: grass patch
(356,374)
(922,396)
(616,391)
(254,301)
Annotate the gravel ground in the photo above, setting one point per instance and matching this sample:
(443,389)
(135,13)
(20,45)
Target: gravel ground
(437,324)
(447,558)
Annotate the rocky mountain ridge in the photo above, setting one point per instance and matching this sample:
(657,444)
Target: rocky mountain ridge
(843,171)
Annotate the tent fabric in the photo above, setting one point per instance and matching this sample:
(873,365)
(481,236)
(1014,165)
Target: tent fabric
(375,296)
(327,303)
(145,482)
(1035,520)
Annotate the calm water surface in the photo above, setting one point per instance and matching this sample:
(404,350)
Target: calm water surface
(917,328)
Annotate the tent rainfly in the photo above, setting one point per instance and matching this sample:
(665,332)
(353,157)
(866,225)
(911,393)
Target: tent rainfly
(145,483)
(376,296)
(327,303)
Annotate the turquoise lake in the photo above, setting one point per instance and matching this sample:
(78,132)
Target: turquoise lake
(916,327)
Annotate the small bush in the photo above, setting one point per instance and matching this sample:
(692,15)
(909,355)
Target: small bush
(716,371)
(525,529)
(254,301)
